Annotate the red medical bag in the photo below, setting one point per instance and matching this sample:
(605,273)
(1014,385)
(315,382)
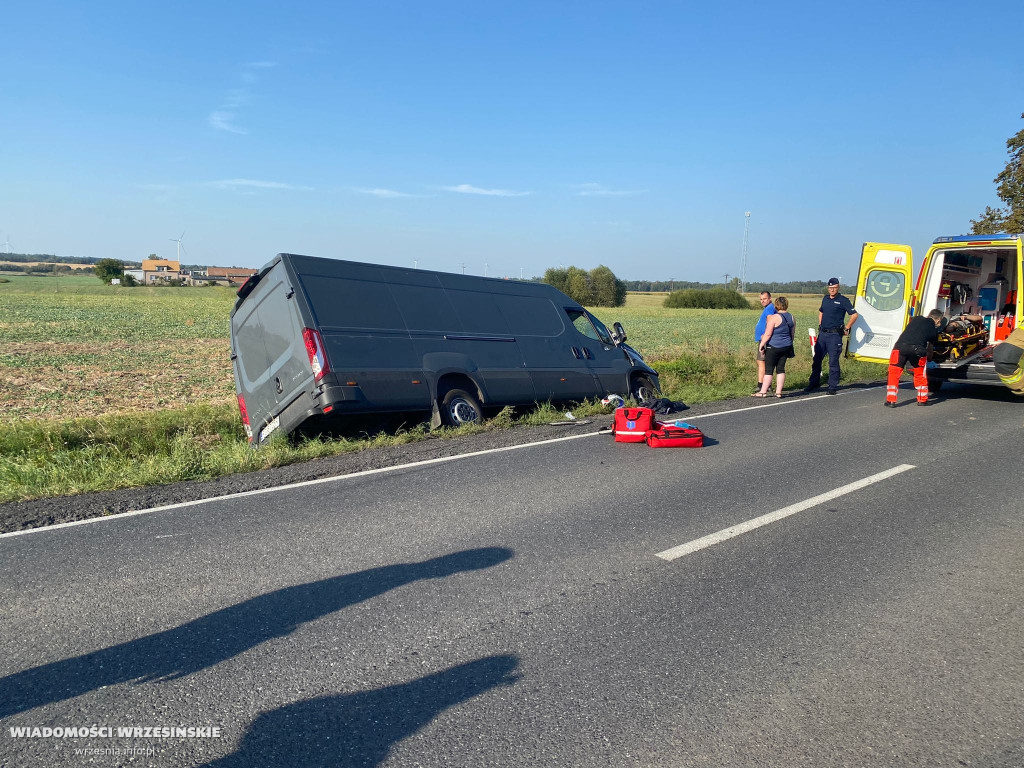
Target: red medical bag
(632,424)
(671,436)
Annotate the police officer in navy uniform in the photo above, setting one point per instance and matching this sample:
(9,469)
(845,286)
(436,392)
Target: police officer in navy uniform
(832,327)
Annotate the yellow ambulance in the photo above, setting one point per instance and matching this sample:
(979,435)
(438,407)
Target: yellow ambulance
(962,275)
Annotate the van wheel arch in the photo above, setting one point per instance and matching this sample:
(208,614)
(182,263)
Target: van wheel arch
(641,388)
(458,401)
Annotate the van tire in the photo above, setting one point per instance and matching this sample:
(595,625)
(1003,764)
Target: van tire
(642,389)
(458,407)
(934,385)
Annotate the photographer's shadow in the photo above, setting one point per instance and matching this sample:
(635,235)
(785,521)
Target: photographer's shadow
(224,634)
(359,729)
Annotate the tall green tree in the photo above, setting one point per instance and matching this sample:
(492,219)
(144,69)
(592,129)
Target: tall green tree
(559,278)
(1010,189)
(580,287)
(107,269)
(597,288)
(608,291)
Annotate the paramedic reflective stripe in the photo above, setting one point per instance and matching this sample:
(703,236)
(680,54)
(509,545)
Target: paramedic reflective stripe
(1007,359)
(1013,378)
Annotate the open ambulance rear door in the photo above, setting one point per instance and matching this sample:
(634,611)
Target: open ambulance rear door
(882,301)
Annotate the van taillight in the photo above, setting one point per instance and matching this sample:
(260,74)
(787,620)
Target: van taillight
(245,416)
(315,350)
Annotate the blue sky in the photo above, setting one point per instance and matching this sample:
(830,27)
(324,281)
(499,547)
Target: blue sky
(506,136)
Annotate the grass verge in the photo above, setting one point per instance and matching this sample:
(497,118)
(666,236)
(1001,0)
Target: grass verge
(43,458)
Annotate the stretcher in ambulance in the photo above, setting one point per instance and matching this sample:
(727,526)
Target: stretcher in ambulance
(976,275)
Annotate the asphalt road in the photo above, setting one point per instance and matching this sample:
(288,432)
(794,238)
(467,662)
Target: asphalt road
(510,608)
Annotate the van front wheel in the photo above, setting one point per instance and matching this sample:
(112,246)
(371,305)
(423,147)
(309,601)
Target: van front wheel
(459,407)
(642,389)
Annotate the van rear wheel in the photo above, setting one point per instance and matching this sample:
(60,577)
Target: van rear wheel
(642,389)
(460,407)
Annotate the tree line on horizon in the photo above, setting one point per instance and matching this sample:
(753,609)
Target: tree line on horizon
(669,286)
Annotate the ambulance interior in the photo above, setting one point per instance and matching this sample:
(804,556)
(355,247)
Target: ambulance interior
(975,281)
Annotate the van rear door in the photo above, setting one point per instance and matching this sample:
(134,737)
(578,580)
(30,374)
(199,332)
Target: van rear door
(272,367)
(882,301)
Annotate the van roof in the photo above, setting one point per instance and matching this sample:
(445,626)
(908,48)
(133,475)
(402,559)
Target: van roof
(975,239)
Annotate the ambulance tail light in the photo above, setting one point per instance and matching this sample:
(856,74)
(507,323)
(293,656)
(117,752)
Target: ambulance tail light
(315,350)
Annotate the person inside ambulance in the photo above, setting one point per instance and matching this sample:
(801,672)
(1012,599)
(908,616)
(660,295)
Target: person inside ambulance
(1007,360)
(912,347)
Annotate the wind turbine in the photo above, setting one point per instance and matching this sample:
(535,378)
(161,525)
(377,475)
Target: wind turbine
(178,241)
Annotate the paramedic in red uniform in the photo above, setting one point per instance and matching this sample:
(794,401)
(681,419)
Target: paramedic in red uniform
(912,347)
(832,327)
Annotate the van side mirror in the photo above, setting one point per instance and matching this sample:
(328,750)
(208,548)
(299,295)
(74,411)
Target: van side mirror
(618,333)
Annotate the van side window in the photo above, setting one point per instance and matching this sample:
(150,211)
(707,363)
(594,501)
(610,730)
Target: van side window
(583,324)
(602,330)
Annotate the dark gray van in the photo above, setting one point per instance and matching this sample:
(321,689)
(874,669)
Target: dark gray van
(314,336)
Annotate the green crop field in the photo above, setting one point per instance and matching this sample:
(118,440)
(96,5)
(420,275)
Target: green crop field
(77,347)
(106,387)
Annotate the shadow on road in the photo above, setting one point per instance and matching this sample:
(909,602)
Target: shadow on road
(224,634)
(359,729)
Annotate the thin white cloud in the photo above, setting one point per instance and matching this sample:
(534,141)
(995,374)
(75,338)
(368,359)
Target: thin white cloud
(377,192)
(242,184)
(599,190)
(224,117)
(469,189)
(222,121)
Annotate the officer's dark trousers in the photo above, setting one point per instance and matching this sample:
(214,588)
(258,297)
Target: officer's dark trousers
(830,344)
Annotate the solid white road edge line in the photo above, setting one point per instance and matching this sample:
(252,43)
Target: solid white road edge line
(395,468)
(276,488)
(771,517)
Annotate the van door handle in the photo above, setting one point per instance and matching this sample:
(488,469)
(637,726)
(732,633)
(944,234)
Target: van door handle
(277,381)
(576,353)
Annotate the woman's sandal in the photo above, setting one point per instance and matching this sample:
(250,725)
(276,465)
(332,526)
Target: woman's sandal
(759,394)
(778,395)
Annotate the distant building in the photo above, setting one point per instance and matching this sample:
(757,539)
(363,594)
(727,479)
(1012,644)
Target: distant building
(236,275)
(160,270)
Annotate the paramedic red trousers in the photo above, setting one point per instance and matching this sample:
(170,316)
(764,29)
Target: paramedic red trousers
(897,362)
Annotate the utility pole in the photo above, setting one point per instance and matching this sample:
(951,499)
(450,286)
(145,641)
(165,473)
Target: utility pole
(485,269)
(463,265)
(726,279)
(520,273)
(743,259)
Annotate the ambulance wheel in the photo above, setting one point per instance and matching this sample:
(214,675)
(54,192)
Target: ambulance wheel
(934,385)
(459,407)
(642,389)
